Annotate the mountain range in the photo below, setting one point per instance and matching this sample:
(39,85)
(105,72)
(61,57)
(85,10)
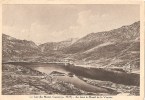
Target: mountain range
(115,48)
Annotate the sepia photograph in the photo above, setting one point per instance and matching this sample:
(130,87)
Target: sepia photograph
(71,49)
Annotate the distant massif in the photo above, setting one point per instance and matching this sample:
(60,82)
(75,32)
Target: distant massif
(115,48)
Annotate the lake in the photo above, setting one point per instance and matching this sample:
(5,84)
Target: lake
(92,73)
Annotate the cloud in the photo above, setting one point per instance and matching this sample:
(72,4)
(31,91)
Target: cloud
(47,23)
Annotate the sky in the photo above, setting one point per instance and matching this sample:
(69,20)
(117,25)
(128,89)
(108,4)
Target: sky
(42,23)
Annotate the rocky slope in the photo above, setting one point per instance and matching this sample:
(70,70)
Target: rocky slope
(55,48)
(20,80)
(15,49)
(119,47)
(52,46)
(123,34)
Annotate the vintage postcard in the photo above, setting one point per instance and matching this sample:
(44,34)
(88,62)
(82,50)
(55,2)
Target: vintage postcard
(72,50)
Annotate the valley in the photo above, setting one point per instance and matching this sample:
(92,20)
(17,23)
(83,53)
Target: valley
(102,63)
